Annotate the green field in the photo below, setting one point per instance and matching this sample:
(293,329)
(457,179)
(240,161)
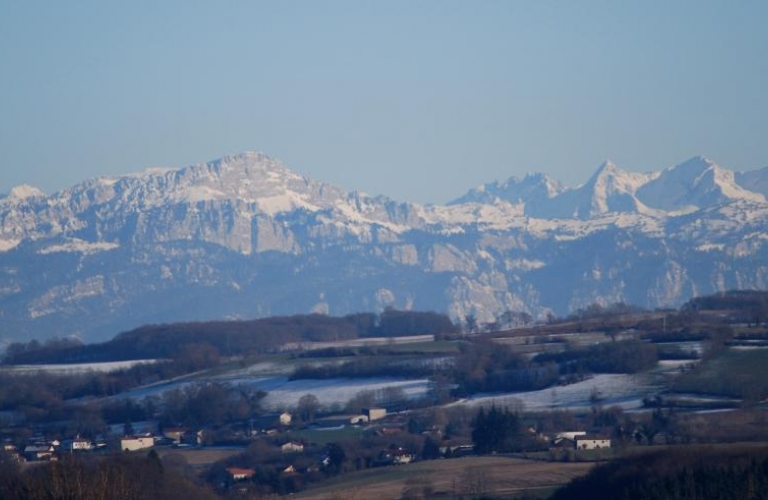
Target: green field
(323,437)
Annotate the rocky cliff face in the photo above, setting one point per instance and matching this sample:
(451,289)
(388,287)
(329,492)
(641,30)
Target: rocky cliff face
(244,236)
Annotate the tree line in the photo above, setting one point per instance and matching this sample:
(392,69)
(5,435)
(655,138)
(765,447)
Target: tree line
(116,477)
(692,473)
(231,338)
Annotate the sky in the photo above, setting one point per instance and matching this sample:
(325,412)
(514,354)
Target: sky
(418,100)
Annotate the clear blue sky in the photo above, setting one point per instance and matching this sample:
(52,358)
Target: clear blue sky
(419,100)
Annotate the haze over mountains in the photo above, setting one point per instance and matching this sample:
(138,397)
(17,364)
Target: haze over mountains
(245,237)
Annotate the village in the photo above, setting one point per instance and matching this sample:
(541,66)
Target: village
(299,450)
(560,397)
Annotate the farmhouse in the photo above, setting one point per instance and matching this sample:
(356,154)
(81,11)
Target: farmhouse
(238,474)
(292,447)
(591,443)
(174,433)
(374,413)
(567,439)
(77,444)
(270,423)
(39,452)
(397,456)
(132,443)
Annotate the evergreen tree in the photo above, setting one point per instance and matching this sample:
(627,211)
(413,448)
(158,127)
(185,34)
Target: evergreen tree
(496,431)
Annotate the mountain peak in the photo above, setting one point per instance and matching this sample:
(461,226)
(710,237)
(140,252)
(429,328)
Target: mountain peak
(607,166)
(694,164)
(23,192)
(533,188)
(243,236)
(696,183)
(250,161)
(252,157)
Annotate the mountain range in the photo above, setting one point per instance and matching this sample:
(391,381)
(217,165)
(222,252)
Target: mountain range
(246,237)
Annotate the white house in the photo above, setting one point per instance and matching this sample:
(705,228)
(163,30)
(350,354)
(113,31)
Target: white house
(77,444)
(292,447)
(591,443)
(285,418)
(131,443)
(374,413)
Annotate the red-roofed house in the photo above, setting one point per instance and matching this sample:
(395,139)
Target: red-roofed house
(239,474)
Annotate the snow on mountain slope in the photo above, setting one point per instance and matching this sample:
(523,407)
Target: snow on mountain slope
(244,236)
(754,180)
(531,189)
(692,185)
(610,189)
(227,201)
(20,193)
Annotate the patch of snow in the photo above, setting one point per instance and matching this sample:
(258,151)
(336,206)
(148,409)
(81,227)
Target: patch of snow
(107,181)
(23,192)
(710,247)
(701,398)
(6,245)
(725,179)
(625,391)
(79,246)
(76,368)
(285,202)
(285,395)
(748,347)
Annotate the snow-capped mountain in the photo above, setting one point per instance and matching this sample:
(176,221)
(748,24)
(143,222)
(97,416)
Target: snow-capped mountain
(609,190)
(532,189)
(697,183)
(244,236)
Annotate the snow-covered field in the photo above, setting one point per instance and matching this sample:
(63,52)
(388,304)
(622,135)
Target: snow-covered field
(625,391)
(74,368)
(284,394)
(748,347)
